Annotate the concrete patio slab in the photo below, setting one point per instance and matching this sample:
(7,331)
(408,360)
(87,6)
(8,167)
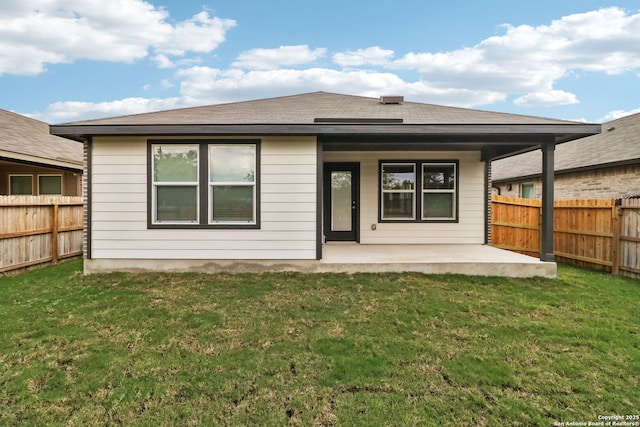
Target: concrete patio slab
(479,260)
(352,258)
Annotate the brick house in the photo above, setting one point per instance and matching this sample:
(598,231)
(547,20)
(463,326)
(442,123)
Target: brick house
(34,162)
(598,166)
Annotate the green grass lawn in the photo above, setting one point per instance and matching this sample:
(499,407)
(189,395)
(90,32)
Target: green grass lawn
(295,349)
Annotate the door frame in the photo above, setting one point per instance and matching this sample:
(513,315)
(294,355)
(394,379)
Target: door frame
(341,236)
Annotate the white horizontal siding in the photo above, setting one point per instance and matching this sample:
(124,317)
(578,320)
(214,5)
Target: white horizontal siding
(288,207)
(470,226)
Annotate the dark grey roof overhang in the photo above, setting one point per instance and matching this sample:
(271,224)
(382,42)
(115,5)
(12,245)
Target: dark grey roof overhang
(495,140)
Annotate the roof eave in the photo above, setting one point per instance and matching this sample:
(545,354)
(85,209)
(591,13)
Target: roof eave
(560,132)
(35,160)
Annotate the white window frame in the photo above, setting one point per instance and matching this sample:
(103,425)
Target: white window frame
(213,184)
(190,184)
(440,191)
(411,191)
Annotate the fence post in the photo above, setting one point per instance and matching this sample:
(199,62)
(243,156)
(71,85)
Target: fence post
(616,245)
(54,234)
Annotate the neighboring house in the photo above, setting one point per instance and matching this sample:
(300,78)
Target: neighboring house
(606,165)
(265,184)
(34,162)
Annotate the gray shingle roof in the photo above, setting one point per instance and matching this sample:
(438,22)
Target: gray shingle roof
(305,108)
(618,142)
(29,139)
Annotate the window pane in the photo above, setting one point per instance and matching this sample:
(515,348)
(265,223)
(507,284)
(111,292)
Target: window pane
(232,163)
(175,163)
(232,203)
(527,191)
(341,201)
(21,185)
(177,204)
(49,185)
(438,177)
(397,205)
(398,177)
(437,205)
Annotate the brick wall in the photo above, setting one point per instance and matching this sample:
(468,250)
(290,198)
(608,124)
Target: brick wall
(618,182)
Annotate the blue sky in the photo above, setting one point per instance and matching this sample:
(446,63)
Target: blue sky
(67,60)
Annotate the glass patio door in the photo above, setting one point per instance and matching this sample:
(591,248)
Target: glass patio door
(341,210)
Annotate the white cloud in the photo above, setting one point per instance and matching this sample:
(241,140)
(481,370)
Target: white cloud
(166,84)
(532,60)
(616,114)
(163,61)
(60,112)
(36,32)
(523,62)
(283,56)
(370,56)
(204,85)
(201,33)
(550,97)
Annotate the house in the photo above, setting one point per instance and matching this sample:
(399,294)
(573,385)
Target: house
(34,162)
(311,182)
(606,165)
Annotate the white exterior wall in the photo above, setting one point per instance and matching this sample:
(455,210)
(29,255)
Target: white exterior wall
(468,230)
(288,175)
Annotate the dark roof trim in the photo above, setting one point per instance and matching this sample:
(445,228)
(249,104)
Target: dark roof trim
(561,132)
(43,164)
(356,120)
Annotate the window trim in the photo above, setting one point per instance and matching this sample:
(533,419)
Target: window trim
(11,175)
(187,184)
(419,192)
(424,191)
(40,175)
(414,211)
(533,190)
(212,184)
(204,188)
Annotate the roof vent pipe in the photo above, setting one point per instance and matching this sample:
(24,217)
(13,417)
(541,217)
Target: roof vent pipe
(391,99)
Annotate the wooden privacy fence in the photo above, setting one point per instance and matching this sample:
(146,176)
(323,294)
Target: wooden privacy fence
(39,230)
(596,233)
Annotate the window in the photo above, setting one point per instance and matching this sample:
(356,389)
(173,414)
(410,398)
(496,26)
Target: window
(50,184)
(175,183)
(204,184)
(418,191)
(438,190)
(233,183)
(527,191)
(20,184)
(398,190)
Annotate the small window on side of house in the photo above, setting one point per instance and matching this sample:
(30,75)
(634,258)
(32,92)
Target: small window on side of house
(21,185)
(50,185)
(527,190)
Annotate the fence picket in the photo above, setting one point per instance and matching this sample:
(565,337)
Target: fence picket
(593,233)
(39,230)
